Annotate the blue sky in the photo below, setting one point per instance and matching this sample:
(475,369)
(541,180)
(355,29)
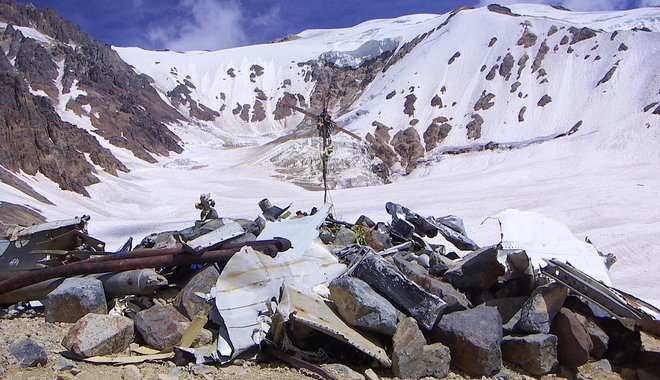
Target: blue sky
(217,24)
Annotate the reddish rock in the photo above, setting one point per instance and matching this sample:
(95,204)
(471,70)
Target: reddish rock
(574,344)
(161,326)
(97,334)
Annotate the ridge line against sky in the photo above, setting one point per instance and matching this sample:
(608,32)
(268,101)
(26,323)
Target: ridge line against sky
(184,25)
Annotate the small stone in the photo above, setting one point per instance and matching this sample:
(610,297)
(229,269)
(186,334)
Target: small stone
(165,376)
(96,334)
(201,369)
(176,372)
(161,326)
(74,298)
(130,372)
(342,371)
(369,374)
(602,365)
(204,338)
(74,371)
(63,364)
(29,353)
(361,306)
(65,376)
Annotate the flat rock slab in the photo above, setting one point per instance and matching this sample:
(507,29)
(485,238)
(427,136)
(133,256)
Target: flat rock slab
(362,307)
(97,334)
(28,353)
(74,298)
(574,346)
(536,353)
(539,310)
(477,270)
(474,337)
(412,358)
(161,326)
(404,294)
(187,302)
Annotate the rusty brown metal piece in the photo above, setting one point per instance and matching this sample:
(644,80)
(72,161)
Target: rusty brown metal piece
(142,259)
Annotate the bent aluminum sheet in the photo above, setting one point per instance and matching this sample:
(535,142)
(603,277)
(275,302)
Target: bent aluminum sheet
(310,310)
(250,280)
(544,238)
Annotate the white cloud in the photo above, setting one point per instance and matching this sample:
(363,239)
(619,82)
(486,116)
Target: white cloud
(581,5)
(213,25)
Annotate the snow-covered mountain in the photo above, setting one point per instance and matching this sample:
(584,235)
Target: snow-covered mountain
(468,113)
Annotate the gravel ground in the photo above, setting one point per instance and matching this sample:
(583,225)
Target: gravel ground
(50,335)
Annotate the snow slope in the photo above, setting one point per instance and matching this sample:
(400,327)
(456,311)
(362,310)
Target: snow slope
(600,181)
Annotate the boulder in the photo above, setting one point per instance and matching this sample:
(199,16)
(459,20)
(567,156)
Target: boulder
(362,307)
(97,334)
(536,354)
(537,313)
(412,358)
(598,336)
(404,294)
(574,344)
(187,302)
(74,298)
(28,353)
(478,269)
(474,337)
(161,326)
(455,300)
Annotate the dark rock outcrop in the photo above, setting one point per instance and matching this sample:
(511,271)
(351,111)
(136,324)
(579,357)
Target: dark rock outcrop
(474,127)
(409,105)
(434,135)
(528,39)
(581,34)
(408,145)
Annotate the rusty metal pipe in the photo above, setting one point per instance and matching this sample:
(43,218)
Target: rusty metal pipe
(92,266)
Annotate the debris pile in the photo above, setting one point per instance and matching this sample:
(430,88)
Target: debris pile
(411,297)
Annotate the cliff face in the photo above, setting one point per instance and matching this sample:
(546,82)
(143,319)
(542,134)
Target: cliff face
(62,92)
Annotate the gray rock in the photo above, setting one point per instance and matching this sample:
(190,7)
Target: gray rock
(477,270)
(202,369)
(474,337)
(342,371)
(586,369)
(574,343)
(404,294)
(130,372)
(439,263)
(537,313)
(74,298)
(344,236)
(63,364)
(96,334)
(536,353)
(28,353)
(369,374)
(507,307)
(455,300)
(326,237)
(187,302)
(413,358)
(362,307)
(161,326)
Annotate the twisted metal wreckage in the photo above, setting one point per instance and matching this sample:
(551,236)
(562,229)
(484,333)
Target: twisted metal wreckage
(267,284)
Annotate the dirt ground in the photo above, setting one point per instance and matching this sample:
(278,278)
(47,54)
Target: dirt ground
(50,335)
